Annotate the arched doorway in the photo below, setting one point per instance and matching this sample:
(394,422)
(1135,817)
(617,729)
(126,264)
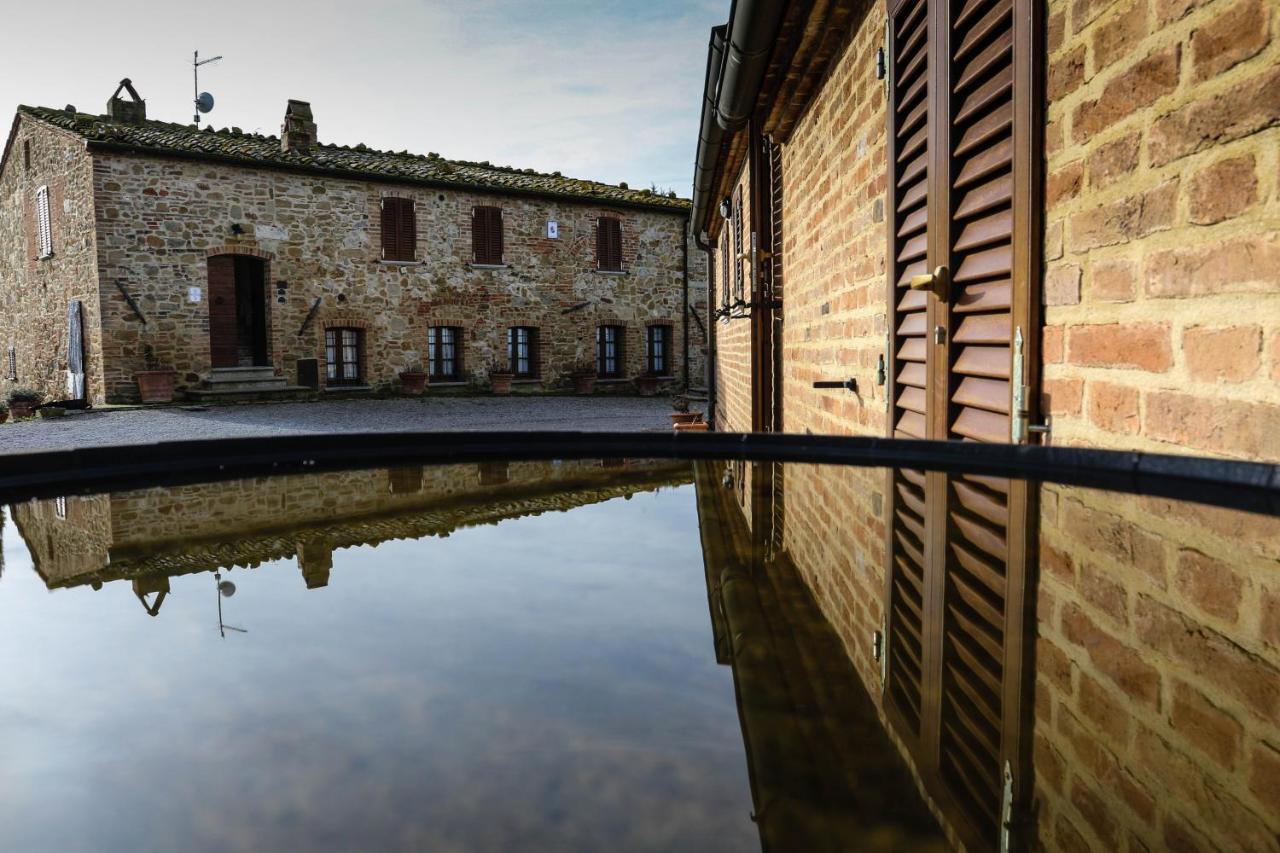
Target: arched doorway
(237,311)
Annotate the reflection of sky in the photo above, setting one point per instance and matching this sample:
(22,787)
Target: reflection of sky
(548,683)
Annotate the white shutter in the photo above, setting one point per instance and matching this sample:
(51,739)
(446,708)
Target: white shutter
(43,233)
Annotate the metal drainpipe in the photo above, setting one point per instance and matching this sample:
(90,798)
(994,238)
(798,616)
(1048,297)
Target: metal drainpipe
(684,315)
(711,338)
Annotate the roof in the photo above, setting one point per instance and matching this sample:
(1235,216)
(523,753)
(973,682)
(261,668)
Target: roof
(359,161)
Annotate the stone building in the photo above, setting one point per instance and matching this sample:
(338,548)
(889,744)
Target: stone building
(1012,221)
(246,262)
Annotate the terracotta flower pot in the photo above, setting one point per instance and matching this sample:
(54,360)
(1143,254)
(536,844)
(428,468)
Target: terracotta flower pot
(22,409)
(696,426)
(500,383)
(155,386)
(584,383)
(4,415)
(413,382)
(647,385)
(678,418)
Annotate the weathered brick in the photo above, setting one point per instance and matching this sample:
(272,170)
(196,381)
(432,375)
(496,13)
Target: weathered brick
(1114,160)
(1235,35)
(1136,87)
(1114,39)
(1096,814)
(1114,407)
(1057,562)
(1264,775)
(1053,665)
(1100,589)
(1113,281)
(1141,346)
(1062,396)
(1209,584)
(1227,353)
(1066,74)
(1245,108)
(1049,763)
(1124,219)
(1104,711)
(1064,183)
(1057,26)
(1121,664)
(1236,265)
(1062,286)
(1269,616)
(1051,344)
(1207,727)
(1053,235)
(1232,427)
(1223,190)
(1210,656)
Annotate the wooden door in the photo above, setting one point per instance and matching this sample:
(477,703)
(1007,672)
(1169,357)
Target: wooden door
(963,238)
(223,345)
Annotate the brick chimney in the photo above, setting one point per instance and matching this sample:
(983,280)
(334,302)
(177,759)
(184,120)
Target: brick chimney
(298,133)
(129,112)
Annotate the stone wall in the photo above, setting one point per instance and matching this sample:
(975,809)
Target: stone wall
(35,293)
(160,219)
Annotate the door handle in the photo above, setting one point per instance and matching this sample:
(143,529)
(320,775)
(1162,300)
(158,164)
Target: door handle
(935,281)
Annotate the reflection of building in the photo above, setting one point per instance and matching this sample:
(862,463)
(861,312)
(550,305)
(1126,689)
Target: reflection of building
(150,535)
(824,774)
(1130,687)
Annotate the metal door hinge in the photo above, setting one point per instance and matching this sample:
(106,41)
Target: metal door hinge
(882,375)
(1020,426)
(939,334)
(1006,811)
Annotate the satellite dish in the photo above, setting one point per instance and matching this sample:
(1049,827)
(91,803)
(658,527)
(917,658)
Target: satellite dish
(227,588)
(204,103)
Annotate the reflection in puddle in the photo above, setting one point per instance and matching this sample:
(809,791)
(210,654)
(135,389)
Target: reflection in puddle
(632,654)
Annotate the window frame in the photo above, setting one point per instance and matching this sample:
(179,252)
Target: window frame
(399,229)
(338,350)
(618,356)
(664,354)
(436,344)
(44,224)
(531,356)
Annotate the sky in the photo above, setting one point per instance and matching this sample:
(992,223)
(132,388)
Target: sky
(608,90)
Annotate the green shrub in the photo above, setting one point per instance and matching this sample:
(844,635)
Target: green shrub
(24,395)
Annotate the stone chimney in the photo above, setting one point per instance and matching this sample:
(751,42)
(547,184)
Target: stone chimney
(129,112)
(298,133)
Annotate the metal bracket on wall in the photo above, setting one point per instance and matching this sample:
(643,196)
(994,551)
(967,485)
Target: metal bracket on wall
(850,383)
(132,304)
(311,315)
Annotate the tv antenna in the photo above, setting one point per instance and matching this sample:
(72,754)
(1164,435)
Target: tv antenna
(203,100)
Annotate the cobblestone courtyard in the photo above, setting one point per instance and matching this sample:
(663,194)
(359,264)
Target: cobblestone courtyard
(456,414)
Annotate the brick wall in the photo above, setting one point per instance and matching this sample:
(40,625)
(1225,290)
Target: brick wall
(1163,226)
(35,293)
(159,218)
(733,336)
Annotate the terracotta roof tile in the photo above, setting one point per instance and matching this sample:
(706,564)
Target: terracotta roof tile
(233,144)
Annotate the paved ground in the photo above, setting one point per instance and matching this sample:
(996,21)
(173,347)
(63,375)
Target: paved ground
(592,414)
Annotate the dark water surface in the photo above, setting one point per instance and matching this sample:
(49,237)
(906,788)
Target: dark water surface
(637,655)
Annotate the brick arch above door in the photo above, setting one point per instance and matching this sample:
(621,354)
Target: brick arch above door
(238,249)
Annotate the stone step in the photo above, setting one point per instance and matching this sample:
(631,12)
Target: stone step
(275,383)
(258,394)
(219,375)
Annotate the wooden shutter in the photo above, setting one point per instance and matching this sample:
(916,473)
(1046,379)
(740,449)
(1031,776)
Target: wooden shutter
(399,229)
(486,235)
(223,351)
(963,238)
(609,243)
(535,355)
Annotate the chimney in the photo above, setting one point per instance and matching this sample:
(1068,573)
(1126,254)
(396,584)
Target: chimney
(298,133)
(129,112)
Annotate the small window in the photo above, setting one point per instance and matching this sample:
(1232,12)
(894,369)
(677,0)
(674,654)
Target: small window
(486,235)
(609,244)
(26,154)
(343,355)
(13,363)
(444,353)
(609,341)
(399,229)
(44,234)
(658,350)
(522,351)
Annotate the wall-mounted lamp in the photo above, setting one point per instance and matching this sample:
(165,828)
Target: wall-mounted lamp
(726,209)
(237,228)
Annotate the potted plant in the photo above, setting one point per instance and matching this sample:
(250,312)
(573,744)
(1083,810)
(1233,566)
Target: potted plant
(413,380)
(682,415)
(23,402)
(4,411)
(500,381)
(155,381)
(695,426)
(647,384)
(584,377)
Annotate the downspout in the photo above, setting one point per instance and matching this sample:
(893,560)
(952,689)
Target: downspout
(753,26)
(684,313)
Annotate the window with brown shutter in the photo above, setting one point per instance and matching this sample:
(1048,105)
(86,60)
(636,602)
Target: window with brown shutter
(399,229)
(609,244)
(963,238)
(486,235)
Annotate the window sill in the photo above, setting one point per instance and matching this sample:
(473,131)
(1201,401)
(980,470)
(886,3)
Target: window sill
(611,272)
(490,266)
(447,383)
(385,263)
(47,257)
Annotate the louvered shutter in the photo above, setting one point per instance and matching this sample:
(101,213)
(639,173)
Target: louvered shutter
(609,244)
(407,231)
(44,230)
(486,235)
(965,230)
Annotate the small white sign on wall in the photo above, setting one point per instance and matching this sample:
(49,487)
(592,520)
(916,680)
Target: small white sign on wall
(553,229)
(193,294)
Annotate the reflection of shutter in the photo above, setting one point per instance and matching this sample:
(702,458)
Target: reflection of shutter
(963,127)
(908,246)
